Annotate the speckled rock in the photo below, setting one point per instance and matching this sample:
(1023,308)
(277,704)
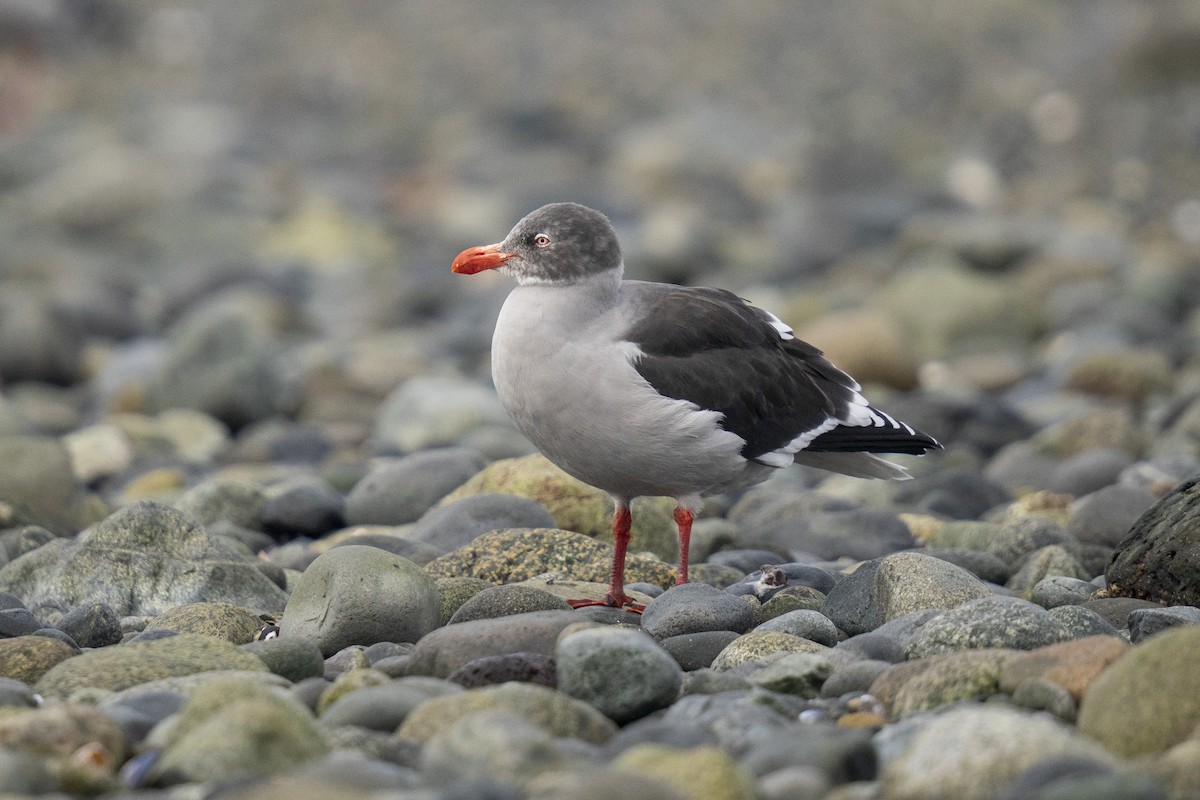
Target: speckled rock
(361,595)
(940,680)
(456,590)
(222,620)
(536,668)
(143,559)
(800,674)
(122,666)
(444,650)
(1053,559)
(1159,559)
(500,601)
(699,772)
(805,623)
(762,646)
(988,622)
(595,665)
(1146,622)
(552,711)
(521,553)
(28,658)
(574,505)
(975,751)
(236,728)
(1149,700)
(895,585)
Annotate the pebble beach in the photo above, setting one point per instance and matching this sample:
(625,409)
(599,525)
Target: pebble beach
(266,532)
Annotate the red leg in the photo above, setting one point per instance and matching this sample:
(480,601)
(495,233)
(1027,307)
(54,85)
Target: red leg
(683,518)
(616,597)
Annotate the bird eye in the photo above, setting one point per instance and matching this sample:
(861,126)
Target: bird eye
(541,240)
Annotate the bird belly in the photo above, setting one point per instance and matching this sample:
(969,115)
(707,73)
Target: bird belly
(588,410)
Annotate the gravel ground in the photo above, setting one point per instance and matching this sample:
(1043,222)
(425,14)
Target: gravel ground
(266,532)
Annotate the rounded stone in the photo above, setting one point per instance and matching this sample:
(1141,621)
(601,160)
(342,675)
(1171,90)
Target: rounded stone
(1159,559)
(361,595)
(762,646)
(222,620)
(1149,700)
(501,601)
(696,608)
(291,657)
(455,524)
(401,490)
(623,673)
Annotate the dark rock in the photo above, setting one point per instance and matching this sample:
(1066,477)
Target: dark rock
(1159,559)
(772,578)
(954,494)
(304,507)
(524,667)
(1106,515)
(1146,622)
(694,608)
(697,650)
(92,625)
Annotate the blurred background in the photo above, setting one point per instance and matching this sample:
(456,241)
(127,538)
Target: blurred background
(250,208)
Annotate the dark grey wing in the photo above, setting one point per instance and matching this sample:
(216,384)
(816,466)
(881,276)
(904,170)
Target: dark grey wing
(710,347)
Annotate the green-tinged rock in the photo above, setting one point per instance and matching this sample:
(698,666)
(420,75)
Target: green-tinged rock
(574,505)
(60,730)
(357,594)
(490,745)
(349,682)
(975,751)
(222,620)
(122,666)
(503,601)
(514,555)
(763,646)
(235,502)
(141,560)
(28,658)
(595,666)
(1050,560)
(456,590)
(236,729)
(600,783)
(700,773)
(974,311)
(948,678)
(291,657)
(38,485)
(554,712)
(800,674)
(1149,700)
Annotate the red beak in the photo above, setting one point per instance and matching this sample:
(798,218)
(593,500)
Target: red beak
(477,259)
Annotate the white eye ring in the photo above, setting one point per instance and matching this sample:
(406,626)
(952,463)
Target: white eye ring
(541,240)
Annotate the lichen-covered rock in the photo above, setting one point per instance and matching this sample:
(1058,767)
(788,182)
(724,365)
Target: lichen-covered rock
(121,666)
(575,505)
(141,560)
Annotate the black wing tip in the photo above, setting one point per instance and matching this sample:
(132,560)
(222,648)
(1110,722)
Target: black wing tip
(862,439)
